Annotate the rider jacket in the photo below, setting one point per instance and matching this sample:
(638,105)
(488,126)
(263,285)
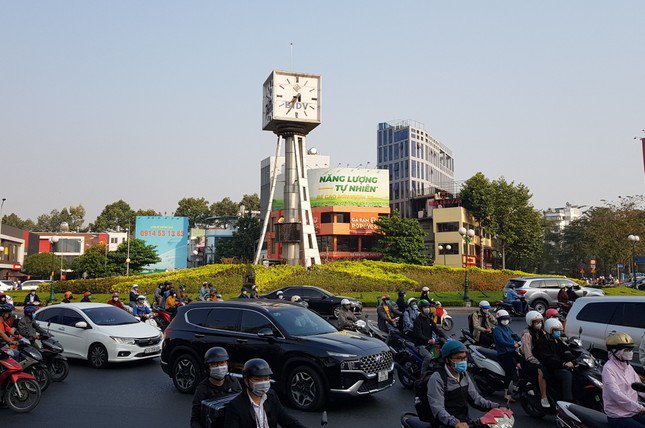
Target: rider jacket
(346,318)
(140,310)
(482,322)
(207,391)
(423,328)
(28,328)
(528,345)
(620,400)
(550,351)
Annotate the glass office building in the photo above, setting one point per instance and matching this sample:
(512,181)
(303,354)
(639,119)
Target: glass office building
(419,166)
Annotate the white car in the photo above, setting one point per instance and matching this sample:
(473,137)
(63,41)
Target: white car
(34,284)
(7,285)
(99,333)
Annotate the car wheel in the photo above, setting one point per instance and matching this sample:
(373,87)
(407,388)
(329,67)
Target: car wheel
(185,373)
(305,389)
(337,311)
(98,356)
(541,306)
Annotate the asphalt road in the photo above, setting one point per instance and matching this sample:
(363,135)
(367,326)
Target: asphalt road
(141,395)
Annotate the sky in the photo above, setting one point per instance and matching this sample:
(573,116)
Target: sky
(153,101)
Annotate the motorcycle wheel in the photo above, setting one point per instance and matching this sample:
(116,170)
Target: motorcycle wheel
(447,324)
(42,375)
(28,398)
(403,371)
(483,386)
(59,369)
(531,406)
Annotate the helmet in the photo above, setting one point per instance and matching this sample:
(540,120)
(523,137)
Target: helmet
(204,284)
(29,310)
(619,340)
(385,297)
(114,294)
(424,303)
(344,302)
(401,292)
(87,294)
(135,286)
(256,367)
(279,293)
(255,287)
(216,354)
(552,324)
(6,307)
(425,289)
(452,347)
(502,314)
(551,313)
(219,296)
(295,299)
(533,316)
(410,300)
(484,304)
(68,294)
(167,283)
(141,297)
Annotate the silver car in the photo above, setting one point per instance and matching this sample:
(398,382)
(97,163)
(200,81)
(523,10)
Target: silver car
(541,292)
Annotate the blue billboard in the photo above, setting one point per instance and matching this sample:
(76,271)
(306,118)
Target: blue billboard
(170,237)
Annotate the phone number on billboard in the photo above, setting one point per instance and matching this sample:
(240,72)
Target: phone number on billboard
(161,233)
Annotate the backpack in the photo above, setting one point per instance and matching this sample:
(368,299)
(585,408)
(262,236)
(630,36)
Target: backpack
(214,411)
(421,395)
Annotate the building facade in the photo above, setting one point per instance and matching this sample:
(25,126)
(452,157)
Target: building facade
(418,164)
(562,217)
(70,244)
(13,243)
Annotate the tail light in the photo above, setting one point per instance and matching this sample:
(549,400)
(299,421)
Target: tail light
(521,292)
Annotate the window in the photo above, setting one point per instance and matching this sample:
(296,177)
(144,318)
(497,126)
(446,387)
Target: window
(325,243)
(48,315)
(406,173)
(198,316)
(342,243)
(114,240)
(70,317)
(414,169)
(537,284)
(598,312)
(109,316)
(368,243)
(253,322)
(396,171)
(516,282)
(380,154)
(551,283)
(396,151)
(389,151)
(310,293)
(342,218)
(629,314)
(326,218)
(567,282)
(223,319)
(452,226)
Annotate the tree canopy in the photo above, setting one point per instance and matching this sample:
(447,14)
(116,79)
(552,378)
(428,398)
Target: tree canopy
(196,209)
(400,240)
(243,243)
(41,265)
(225,207)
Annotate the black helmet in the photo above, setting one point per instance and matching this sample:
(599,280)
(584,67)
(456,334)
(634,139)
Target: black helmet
(401,292)
(167,283)
(29,310)
(256,367)
(216,354)
(6,307)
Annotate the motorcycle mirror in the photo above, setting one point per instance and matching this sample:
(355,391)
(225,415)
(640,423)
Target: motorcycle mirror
(637,386)
(580,331)
(323,420)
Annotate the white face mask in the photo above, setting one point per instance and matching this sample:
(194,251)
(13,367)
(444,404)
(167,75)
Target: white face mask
(504,322)
(625,355)
(261,388)
(218,372)
(537,326)
(426,311)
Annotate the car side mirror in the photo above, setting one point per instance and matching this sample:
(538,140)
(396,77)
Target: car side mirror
(576,287)
(81,324)
(265,332)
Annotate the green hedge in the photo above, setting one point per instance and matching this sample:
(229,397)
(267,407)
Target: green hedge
(337,277)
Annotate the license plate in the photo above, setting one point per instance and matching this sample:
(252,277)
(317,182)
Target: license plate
(152,350)
(382,376)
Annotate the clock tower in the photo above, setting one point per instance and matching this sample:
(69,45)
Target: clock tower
(291,109)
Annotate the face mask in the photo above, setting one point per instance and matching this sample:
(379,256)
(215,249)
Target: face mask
(504,322)
(261,388)
(387,301)
(461,366)
(281,297)
(426,311)
(624,355)
(244,292)
(557,334)
(218,372)
(116,299)
(537,326)
(33,293)
(415,307)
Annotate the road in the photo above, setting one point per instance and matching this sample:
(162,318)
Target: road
(140,394)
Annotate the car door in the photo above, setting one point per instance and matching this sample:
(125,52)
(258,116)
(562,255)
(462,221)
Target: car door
(76,339)
(253,346)
(315,299)
(48,319)
(551,287)
(593,318)
(197,319)
(222,328)
(290,292)
(629,318)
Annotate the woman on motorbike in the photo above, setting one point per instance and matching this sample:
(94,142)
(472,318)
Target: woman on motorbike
(140,309)
(531,366)
(506,348)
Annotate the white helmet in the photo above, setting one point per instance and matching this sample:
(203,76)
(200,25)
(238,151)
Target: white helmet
(425,289)
(141,297)
(552,324)
(295,299)
(135,286)
(533,316)
(410,300)
(344,302)
(280,293)
(502,314)
(484,304)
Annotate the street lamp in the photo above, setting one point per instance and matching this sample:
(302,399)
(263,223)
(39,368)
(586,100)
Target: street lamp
(127,260)
(448,248)
(1,246)
(634,239)
(467,235)
(53,240)
(195,252)
(440,247)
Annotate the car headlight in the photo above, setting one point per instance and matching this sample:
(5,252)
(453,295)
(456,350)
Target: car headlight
(341,355)
(123,340)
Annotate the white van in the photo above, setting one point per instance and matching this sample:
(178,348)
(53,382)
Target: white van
(600,316)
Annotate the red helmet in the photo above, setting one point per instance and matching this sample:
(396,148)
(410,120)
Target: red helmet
(113,294)
(551,313)
(87,294)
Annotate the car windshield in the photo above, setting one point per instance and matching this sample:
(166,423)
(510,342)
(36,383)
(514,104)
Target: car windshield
(109,316)
(299,321)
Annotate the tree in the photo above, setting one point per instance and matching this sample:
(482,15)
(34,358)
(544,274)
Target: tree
(115,216)
(225,207)
(15,221)
(73,216)
(243,243)
(144,213)
(477,196)
(93,263)
(251,202)
(400,240)
(141,255)
(196,209)
(41,265)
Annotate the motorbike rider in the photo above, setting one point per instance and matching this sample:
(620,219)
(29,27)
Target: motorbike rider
(140,309)
(506,348)
(254,292)
(219,383)
(571,294)
(298,300)
(87,297)
(386,314)
(451,390)
(204,292)
(483,322)
(531,366)
(511,296)
(346,318)
(172,303)
(423,329)
(159,292)
(134,293)
(258,405)
(68,296)
(169,290)
(280,295)
(8,336)
(32,299)
(244,294)
(551,313)
(550,351)
(425,294)
(114,301)
(411,313)
(400,302)
(621,402)
(27,327)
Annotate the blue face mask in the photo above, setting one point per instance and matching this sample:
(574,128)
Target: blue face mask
(557,334)
(461,366)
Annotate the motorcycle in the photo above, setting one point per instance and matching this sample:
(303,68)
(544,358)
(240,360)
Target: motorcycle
(500,304)
(446,320)
(31,361)
(162,317)
(56,363)
(486,371)
(408,361)
(570,415)
(370,328)
(495,418)
(18,390)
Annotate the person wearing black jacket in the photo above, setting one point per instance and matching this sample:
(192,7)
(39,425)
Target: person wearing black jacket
(550,351)
(218,383)
(423,328)
(258,406)
(400,302)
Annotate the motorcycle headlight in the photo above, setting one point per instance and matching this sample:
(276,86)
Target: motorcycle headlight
(361,324)
(596,382)
(123,340)
(588,361)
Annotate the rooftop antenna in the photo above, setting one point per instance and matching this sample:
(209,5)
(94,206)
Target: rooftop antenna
(291,48)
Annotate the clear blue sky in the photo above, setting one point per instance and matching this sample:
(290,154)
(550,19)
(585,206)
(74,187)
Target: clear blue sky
(152,101)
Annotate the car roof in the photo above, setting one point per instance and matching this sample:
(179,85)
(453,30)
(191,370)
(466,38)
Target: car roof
(81,305)
(583,300)
(526,278)
(242,303)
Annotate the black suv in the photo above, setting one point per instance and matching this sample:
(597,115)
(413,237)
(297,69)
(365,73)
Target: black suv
(319,300)
(311,360)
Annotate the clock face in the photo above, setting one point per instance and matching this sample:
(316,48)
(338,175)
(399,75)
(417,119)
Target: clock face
(291,98)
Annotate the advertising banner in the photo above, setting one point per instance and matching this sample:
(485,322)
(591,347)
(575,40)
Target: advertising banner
(170,237)
(342,187)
